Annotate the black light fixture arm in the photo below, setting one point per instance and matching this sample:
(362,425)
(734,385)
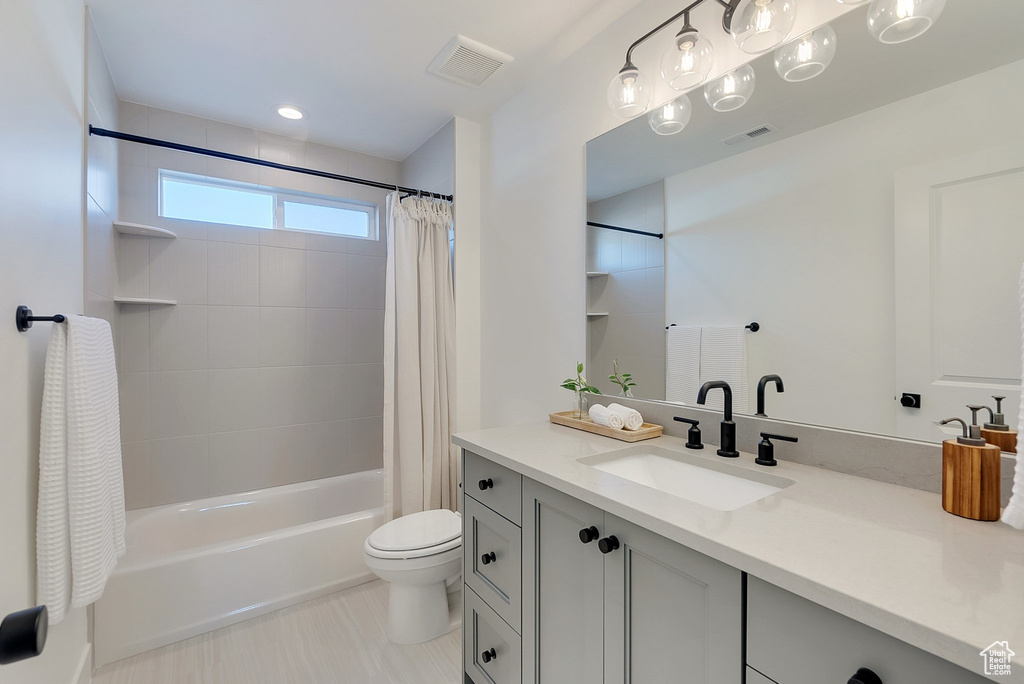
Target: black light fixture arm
(730,8)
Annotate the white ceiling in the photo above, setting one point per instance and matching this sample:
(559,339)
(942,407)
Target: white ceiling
(358,68)
(967,39)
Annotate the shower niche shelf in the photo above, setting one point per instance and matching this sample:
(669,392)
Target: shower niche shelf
(597,274)
(125,228)
(146,300)
(597,314)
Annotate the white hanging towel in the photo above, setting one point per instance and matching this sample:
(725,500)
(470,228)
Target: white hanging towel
(723,356)
(1013,515)
(682,364)
(81,519)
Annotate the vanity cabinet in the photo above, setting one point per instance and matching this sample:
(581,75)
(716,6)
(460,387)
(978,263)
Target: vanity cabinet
(606,600)
(791,640)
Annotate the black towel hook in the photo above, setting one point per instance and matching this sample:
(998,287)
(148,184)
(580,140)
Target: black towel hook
(23,318)
(753,327)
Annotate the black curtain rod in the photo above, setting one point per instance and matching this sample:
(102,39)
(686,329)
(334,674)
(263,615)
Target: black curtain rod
(660,236)
(128,137)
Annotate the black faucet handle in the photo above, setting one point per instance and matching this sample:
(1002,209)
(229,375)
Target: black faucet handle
(693,437)
(766,450)
(783,438)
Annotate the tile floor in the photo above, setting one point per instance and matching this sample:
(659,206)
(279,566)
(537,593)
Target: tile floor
(338,639)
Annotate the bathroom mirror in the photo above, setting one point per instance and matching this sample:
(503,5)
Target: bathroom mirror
(870,220)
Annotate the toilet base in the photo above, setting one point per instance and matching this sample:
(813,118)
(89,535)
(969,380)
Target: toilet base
(418,613)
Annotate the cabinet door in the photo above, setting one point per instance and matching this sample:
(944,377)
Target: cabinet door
(672,615)
(563,584)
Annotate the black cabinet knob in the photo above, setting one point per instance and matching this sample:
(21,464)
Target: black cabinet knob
(589,534)
(488,655)
(488,558)
(865,676)
(608,544)
(486,484)
(23,634)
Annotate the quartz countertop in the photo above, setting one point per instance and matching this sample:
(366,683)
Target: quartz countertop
(884,555)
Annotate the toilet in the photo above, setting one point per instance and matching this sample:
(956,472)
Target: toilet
(420,554)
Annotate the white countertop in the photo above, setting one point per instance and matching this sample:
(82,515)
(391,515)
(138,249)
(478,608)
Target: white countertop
(884,555)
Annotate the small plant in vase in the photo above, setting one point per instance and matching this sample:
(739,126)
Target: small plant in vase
(580,387)
(623,380)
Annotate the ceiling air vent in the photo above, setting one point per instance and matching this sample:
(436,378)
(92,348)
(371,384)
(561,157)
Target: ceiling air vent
(468,62)
(759,132)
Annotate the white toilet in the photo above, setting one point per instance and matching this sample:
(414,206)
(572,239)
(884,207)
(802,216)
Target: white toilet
(421,556)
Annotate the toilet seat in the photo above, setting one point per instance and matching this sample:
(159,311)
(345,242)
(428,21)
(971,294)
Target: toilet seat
(416,535)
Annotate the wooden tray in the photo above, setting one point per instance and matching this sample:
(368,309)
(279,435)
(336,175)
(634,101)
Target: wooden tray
(646,431)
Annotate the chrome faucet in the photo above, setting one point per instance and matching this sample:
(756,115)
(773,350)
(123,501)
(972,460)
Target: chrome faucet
(728,449)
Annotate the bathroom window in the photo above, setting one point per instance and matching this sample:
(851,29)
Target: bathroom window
(215,200)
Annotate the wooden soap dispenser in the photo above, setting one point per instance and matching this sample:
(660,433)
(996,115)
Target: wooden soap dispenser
(996,431)
(970,473)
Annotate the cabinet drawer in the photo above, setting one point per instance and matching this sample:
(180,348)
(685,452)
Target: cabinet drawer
(795,641)
(486,633)
(493,561)
(494,485)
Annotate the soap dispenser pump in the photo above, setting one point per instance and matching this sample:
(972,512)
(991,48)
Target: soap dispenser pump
(996,431)
(970,473)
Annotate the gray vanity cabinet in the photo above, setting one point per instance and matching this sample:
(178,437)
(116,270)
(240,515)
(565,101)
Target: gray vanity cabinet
(624,606)
(563,589)
(671,614)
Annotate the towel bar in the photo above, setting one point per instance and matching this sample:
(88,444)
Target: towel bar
(753,327)
(23,318)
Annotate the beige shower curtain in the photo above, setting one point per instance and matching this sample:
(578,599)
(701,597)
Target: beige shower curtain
(420,463)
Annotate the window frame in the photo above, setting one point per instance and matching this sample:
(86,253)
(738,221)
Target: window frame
(280,196)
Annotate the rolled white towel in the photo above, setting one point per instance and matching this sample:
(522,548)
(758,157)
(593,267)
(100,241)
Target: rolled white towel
(602,416)
(631,418)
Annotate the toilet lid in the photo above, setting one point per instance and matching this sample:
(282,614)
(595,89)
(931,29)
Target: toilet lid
(417,531)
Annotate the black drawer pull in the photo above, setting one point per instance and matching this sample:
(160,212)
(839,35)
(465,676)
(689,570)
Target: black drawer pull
(488,655)
(488,558)
(589,534)
(608,544)
(486,484)
(865,676)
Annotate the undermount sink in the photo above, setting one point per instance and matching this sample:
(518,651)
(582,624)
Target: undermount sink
(718,485)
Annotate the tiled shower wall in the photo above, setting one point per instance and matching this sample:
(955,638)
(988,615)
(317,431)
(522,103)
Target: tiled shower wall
(633,294)
(269,369)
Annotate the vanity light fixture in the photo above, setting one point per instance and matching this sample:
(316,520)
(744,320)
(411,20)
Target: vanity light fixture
(291,112)
(689,59)
(760,25)
(897,21)
(629,93)
(732,90)
(671,117)
(807,56)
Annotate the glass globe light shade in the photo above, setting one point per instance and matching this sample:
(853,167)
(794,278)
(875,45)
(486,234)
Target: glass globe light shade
(671,117)
(896,21)
(732,90)
(759,25)
(807,56)
(688,61)
(629,93)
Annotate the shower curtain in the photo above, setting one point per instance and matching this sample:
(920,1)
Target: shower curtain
(420,463)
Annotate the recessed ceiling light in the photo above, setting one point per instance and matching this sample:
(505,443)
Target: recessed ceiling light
(290,112)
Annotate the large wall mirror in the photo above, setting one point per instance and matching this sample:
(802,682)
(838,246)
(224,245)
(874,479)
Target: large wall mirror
(870,220)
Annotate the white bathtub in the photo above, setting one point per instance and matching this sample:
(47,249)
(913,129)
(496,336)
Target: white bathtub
(198,566)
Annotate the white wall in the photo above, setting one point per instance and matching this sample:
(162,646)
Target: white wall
(432,166)
(534,204)
(633,292)
(799,236)
(270,368)
(42,67)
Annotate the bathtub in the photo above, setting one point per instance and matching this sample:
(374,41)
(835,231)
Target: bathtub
(198,566)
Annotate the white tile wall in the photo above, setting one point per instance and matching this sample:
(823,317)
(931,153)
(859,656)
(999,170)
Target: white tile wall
(269,370)
(633,294)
